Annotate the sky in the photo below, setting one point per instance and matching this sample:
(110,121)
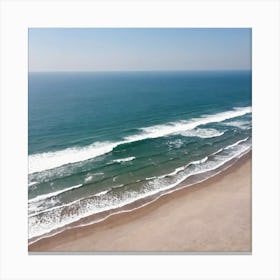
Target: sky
(139,49)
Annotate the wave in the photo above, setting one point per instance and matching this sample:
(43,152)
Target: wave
(49,195)
(182,168)
(218,151)
(150,178)
(102,193)
(36,213)
(199,161)
(202,133)
(41,205)
(177,144)
(170,190)
(229,146)
(50,160)
(32,184)
(117,186)
(57,217)
(175,172)
(123,159)
(89,177)
(236,143)
(242,124)
(183,125)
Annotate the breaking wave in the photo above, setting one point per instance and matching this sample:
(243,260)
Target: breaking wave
(50,160)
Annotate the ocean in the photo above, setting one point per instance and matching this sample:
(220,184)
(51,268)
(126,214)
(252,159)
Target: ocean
(102,143)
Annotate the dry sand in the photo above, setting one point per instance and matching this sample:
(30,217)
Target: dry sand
(213,216)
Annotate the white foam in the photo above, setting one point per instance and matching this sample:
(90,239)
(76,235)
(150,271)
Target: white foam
(49,160)
(220,150)
(177,144)
(54,208)
(182,168)
(236,143)
(171,190)
(102,193)
(85,207)
(199,161)
(88,178)
(49,195)
(118,186)
(180,126)
(202,133)
(150,178)
(243,124)
(32,184)
(176,171)
(41,205)
(123,159)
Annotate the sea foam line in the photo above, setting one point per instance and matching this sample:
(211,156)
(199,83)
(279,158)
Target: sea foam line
(120,160)
(53,194)
(75,201)
(175,172)
(182,168)
(89,210)
(202,133)
(149,202)
(236,143)
(50,160)
(50,233)
(102,193)
(32,184)
(169,188)
(49,195)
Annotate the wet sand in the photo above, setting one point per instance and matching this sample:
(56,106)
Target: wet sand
(212,216)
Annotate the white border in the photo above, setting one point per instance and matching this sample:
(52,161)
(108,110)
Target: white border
(262,16)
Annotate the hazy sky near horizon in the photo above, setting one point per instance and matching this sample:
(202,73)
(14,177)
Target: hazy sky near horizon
(142,49)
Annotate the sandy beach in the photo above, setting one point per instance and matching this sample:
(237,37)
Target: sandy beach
(212,216)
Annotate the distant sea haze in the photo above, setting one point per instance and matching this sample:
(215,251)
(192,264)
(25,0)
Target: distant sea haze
(101,143)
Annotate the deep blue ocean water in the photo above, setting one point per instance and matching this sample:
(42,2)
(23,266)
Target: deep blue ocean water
(99,141)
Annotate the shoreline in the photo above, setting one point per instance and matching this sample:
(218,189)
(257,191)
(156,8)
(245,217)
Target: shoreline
(124,232)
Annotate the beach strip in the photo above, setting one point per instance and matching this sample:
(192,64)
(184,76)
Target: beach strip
(212,216)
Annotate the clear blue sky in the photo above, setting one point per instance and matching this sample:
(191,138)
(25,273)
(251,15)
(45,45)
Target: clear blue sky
(132,49)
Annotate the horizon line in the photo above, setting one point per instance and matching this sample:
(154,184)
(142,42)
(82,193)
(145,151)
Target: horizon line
(104,71)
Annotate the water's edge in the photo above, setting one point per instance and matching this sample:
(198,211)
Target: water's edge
(142,202)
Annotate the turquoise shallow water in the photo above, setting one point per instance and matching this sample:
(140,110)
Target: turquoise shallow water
(98,141)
